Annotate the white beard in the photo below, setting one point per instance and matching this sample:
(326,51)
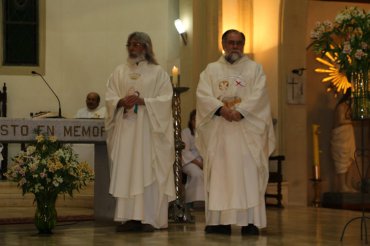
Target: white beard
(135,60)
(233,57)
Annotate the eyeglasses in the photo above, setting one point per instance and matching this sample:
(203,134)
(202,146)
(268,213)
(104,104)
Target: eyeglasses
(134,44)
(235,42)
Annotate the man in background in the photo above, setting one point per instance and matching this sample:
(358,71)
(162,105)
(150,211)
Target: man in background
(86,152)
(235,138)
(92,109)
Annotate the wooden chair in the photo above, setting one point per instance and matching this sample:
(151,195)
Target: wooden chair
(276,177)
(3,111)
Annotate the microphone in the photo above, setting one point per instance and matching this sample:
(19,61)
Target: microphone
(60,108)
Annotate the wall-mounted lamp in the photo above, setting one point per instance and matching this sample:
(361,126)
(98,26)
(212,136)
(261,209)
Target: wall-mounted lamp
(298,71)
(181,30)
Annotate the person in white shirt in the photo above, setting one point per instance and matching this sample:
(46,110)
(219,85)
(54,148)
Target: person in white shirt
(92,109)
(192,164)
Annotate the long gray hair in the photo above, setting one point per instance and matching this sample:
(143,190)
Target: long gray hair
(144,39)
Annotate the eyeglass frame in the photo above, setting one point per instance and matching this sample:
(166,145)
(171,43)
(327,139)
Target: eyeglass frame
(134,44)
(235,42)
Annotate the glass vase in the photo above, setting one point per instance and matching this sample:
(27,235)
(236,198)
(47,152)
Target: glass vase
(360,95)
(46,214)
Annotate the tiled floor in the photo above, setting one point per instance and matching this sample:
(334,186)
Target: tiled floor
(288,226)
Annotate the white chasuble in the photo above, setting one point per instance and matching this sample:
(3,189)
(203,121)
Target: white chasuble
(140,140)
(235,153)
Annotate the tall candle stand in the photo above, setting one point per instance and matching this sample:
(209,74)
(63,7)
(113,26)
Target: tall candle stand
(178,212)
(316,202)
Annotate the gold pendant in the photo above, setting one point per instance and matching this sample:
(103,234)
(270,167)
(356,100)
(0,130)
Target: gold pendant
(134,76)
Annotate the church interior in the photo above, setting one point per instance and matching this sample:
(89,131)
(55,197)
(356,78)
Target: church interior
(81,42)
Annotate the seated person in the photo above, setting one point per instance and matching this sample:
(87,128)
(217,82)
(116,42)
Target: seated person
(92,109)
(86,152)
(192,164)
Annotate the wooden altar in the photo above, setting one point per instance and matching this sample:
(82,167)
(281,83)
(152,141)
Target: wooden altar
(70,131)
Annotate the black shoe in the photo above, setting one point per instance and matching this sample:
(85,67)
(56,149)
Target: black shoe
(147,228)
(218,229)
(129,226)
(250,230)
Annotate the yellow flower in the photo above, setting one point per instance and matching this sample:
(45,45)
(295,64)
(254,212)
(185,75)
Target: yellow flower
(52,139)
(40,138)
(30,150)
(33,166)
(48,165)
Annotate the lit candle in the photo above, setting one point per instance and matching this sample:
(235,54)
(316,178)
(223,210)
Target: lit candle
(316,151)
(175,76)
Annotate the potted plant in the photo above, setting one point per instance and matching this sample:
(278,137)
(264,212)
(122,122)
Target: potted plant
(47,168)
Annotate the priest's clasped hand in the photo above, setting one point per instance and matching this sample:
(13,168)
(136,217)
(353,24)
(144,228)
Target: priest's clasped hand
(230,114)
(129,101)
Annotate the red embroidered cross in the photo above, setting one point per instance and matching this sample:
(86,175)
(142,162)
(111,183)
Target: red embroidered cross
(239,83)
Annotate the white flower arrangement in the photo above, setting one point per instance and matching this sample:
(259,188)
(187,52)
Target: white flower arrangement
(50,167)
(347,39)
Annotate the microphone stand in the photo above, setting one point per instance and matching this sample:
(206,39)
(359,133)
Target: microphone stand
(60,108)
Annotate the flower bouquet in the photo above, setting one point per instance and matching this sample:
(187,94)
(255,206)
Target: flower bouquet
(48,168)
(348,39)
(345,45)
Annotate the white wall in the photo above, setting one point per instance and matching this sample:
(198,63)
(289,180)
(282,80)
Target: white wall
(85,41)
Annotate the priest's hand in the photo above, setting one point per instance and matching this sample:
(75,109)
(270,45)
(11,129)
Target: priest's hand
(127,102)
(226,113)
(236,115)
(198,162)
(140,101)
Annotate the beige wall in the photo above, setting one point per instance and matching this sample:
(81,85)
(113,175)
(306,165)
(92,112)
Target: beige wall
(293,125)
(202,18)
(85,41)
(266,33)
